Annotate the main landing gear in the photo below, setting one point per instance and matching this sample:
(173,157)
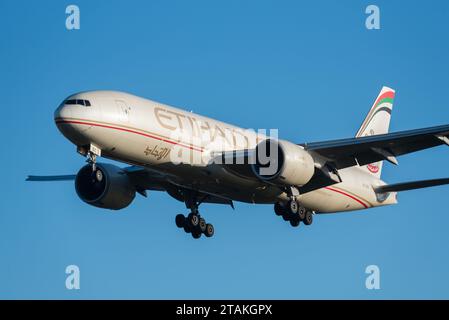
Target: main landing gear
(193,223)
(294,213)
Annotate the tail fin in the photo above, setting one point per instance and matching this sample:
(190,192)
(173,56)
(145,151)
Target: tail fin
(377,122)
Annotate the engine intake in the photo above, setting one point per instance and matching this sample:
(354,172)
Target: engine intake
(283,163)
(108,187)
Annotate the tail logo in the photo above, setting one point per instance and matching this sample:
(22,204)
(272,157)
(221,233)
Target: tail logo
(374,168)
(384,102)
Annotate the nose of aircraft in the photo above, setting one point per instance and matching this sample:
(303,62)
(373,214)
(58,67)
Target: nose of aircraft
(71,118)
(62,112)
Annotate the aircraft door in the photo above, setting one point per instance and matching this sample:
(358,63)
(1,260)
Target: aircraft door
(123,110)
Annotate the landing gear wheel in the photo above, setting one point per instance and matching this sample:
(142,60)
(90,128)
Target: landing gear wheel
(309,218)
(302,213)
(196,235)
(295,222)
(194,220)
(180,220)
(209,232)
(286,216)
(187,228)
(279,209)
(202,225)
(293,207)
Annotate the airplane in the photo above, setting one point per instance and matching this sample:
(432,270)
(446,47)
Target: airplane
(198,160)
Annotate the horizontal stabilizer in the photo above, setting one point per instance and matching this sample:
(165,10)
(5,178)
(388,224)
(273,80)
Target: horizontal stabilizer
(52,178)
(366,150)
(404,186)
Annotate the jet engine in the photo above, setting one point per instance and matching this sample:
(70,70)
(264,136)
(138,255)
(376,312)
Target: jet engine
(282,163)
(107,187)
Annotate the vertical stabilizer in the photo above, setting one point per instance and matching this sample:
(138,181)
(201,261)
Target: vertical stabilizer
(377,122)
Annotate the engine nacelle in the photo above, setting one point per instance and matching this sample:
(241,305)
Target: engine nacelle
(282,163)
(108,187)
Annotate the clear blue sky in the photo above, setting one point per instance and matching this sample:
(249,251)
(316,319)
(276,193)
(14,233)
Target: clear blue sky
(310,69)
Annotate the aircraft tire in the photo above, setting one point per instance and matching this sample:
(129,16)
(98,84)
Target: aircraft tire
(209,232)
(180,220)
(279,209)
(302,213)
(308,220)
(202,225)
(196,234)
(295,222)
(194,220)
(292,207)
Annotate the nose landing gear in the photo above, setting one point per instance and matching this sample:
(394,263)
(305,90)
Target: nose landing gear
(92,160)
(90,154)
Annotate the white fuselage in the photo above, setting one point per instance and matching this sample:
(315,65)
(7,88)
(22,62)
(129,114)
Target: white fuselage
(181,144)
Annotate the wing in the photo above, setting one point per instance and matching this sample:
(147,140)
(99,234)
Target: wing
(365,150)
(146,179)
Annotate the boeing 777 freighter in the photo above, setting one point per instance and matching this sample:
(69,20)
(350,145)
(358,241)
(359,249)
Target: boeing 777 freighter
(200,160)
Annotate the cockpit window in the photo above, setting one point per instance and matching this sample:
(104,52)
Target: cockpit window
(79,102)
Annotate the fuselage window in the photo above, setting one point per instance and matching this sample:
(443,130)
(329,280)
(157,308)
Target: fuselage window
(87,103)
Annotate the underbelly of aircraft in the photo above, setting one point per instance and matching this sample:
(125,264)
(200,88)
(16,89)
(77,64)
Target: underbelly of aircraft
(217,180)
